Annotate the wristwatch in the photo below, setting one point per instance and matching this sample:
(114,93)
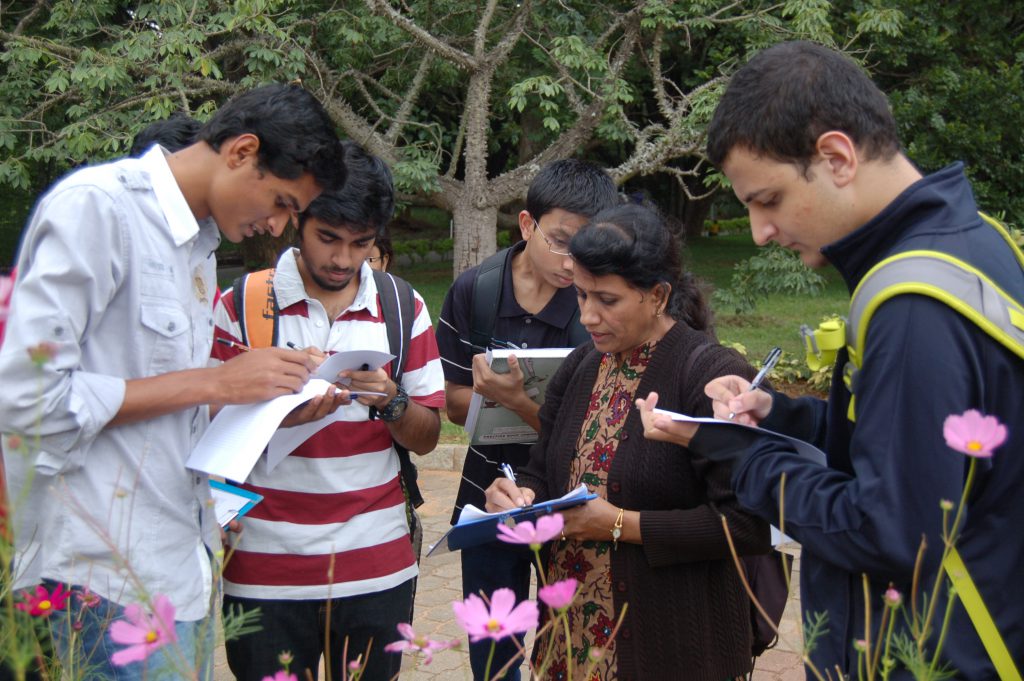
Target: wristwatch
(393,410)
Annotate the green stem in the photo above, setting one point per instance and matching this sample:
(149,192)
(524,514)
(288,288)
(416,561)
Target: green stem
(568,643)
(490,659)
(943,631)
(950,541)
(888,640)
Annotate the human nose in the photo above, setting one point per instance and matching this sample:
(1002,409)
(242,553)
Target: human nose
(278,222)
(588,316)
(568,263)
(762,229)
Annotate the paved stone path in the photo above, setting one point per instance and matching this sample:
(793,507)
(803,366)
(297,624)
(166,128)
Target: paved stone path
(440,584)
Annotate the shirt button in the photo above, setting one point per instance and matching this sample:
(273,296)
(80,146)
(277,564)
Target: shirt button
(170,326)
(625,436)
(621,586)
(525,345)
(615,487)
(626,634)
(319,323)
(529,320)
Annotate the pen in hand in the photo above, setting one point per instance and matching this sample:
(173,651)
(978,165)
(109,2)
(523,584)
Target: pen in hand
(233,344)
(507,470)
(769,363)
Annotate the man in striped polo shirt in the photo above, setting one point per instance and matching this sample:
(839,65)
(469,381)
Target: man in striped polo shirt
(329,544)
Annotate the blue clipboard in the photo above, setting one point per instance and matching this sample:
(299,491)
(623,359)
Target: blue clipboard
(483,530)
(230,502)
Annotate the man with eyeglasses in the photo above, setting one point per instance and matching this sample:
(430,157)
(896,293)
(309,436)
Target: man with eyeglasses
(536,308)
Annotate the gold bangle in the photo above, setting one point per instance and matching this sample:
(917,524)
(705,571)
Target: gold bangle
(617,529)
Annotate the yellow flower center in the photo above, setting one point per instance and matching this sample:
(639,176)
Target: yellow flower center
(493,625)
(45,605)
(974,446)
(151,636)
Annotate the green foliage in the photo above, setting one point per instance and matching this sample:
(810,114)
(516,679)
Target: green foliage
(774,270)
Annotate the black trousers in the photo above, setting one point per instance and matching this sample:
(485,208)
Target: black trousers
(300,627)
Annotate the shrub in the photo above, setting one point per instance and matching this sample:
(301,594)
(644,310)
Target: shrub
(774,270)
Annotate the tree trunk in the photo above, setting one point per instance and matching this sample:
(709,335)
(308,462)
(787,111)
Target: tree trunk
(694,215)
(475,235)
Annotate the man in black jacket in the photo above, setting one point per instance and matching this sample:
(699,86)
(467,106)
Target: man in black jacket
(811,149)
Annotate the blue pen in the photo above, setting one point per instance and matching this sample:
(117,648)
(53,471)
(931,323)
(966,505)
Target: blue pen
(507,470)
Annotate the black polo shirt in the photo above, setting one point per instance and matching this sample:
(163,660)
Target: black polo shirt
(549,328)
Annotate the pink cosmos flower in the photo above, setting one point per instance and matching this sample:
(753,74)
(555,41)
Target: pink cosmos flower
(87,598)
(558,595)
(143,634)
(42,353)
(413,643)
(548,527)
(973,433)
(281,675)
(500,620)
(43,603)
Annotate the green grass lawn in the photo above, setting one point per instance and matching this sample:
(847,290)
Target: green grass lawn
(777,320)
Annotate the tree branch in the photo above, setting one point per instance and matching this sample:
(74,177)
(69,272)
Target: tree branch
(411,96)
(422,36)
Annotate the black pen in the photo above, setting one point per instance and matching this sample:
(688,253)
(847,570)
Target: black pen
(769,363)
(293,346)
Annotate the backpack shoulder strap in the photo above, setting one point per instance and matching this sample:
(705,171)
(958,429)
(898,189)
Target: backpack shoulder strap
(398,306)
(943,277)
(256,308)
(490,276)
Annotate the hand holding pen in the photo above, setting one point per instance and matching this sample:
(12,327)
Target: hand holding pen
(769,363)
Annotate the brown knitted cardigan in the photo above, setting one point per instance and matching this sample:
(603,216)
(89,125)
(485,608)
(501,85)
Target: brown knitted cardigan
(688,616)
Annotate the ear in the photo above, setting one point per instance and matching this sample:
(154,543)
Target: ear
(839,153)
(660,294)
(241,149)
(525,224)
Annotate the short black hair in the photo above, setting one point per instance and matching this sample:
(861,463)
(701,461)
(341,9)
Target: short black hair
(384,246)
(365,201)
(296,134)
(173,134)
(788,95)
(572,185)
(634,242)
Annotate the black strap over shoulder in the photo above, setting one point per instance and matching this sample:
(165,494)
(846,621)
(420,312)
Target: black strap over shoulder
(487,286)
(398,306)
(490,276)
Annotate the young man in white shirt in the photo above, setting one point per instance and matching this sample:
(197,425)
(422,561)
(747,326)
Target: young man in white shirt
(116,276)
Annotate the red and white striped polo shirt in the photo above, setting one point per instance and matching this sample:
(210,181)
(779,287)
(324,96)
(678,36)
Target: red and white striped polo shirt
(332,522)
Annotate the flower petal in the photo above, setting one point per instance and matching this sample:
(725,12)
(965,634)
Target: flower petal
(502,602)
(129,655)
(405,629)
(127,634)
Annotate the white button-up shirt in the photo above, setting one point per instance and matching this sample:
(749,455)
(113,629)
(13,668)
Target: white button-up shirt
(116,273)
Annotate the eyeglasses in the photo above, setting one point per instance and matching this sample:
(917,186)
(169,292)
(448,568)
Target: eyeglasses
(375,258)
(556,246)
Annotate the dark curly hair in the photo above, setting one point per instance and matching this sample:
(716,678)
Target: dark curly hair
(634,242)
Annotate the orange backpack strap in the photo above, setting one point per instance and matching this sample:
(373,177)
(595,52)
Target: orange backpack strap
(256,308)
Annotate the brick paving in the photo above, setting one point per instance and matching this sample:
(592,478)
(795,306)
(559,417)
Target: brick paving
(440,584)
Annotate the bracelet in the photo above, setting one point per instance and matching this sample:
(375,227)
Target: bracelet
(617,529)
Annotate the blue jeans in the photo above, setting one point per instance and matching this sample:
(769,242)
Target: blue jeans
(82,640)
(300,627)
(485,568)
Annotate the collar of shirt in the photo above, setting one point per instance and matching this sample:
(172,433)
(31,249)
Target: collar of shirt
(289,288)
(181,222)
